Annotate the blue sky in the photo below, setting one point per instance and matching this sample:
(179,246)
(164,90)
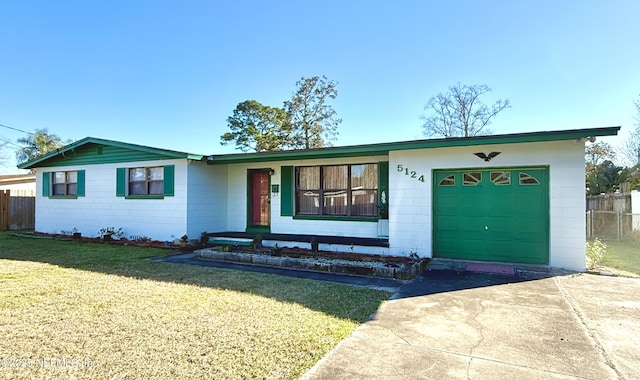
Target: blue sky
(169,73)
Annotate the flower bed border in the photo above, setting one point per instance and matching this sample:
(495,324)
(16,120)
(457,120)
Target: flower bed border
(398,272)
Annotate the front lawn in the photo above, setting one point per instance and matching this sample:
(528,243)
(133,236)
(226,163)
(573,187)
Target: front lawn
(623,256)
(82,310)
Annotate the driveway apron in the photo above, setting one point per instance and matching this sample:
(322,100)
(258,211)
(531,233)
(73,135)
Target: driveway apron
(463,325)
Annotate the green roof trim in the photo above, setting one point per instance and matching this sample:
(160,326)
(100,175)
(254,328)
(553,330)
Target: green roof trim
(382,149)
(91,150)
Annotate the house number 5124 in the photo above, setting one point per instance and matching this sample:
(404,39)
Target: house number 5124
(411,173)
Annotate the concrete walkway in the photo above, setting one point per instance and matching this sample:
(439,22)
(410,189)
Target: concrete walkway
(461,325)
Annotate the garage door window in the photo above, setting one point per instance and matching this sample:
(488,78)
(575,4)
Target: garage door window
(527,179)
(501,178)
(471,179)
(449,180)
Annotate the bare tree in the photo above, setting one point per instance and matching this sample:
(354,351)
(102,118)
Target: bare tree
(460,113)
(630,148)
(3,156)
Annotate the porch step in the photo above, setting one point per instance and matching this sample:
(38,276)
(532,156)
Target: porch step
(230,241)
(321,239)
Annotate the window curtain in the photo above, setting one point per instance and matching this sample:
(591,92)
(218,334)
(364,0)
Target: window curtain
(308,190)
(335,182)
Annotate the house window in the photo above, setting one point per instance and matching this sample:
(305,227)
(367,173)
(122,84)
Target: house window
(337,190)
(153,182)
(65,183)
(146,181)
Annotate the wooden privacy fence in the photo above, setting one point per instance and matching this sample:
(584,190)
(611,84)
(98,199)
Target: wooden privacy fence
(610,202)
(16,213)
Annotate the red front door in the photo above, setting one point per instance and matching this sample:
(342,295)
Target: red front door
(259,201)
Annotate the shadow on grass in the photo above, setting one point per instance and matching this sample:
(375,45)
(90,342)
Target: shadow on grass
(347,302)
(354,303)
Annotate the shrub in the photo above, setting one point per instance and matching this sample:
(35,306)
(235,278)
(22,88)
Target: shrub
(596,250)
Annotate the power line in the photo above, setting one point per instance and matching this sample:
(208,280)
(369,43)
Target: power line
(16,129)
(10,143)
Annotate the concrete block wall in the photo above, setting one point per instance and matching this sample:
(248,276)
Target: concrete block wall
(206,199)
(410,220)
(157,219)
(237,202)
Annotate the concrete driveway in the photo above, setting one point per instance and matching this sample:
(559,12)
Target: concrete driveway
(461,325)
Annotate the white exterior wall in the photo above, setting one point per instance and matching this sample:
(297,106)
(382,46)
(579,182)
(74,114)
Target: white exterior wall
(410,203)
(206,199)
(635,209)
(157,219)
(237,202)
(21,189)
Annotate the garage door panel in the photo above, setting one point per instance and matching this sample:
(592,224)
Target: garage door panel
(501,220)
(508,251)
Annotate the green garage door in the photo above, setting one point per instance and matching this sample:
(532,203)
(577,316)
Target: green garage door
(494,215)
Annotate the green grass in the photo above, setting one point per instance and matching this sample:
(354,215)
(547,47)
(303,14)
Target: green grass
(112,314)
(623,256)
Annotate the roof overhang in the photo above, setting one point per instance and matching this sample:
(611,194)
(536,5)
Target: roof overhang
(382,149)
(61,152)
(17,179)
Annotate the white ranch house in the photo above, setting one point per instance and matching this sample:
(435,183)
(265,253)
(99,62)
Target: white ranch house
(506,198)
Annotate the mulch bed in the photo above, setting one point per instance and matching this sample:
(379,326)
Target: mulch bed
(294,252)
(120,241)
(297,252)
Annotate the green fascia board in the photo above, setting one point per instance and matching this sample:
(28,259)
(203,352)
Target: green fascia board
(289,155)
(64,156)
(382,149)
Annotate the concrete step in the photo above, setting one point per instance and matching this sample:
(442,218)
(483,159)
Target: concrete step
(230,241)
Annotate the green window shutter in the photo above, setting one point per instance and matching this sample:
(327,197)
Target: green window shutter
(169,179)
(121,181)
(383,179)
(286,191)
(46,183)
(80,189)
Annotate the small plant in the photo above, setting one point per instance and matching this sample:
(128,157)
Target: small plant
(256,242)
(73,231)
(140,239)
(184,240)
(414,255)
(110,232)
(596,250)
(225,248)
(383,206)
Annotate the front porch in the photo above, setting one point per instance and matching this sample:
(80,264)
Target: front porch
(377,246)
